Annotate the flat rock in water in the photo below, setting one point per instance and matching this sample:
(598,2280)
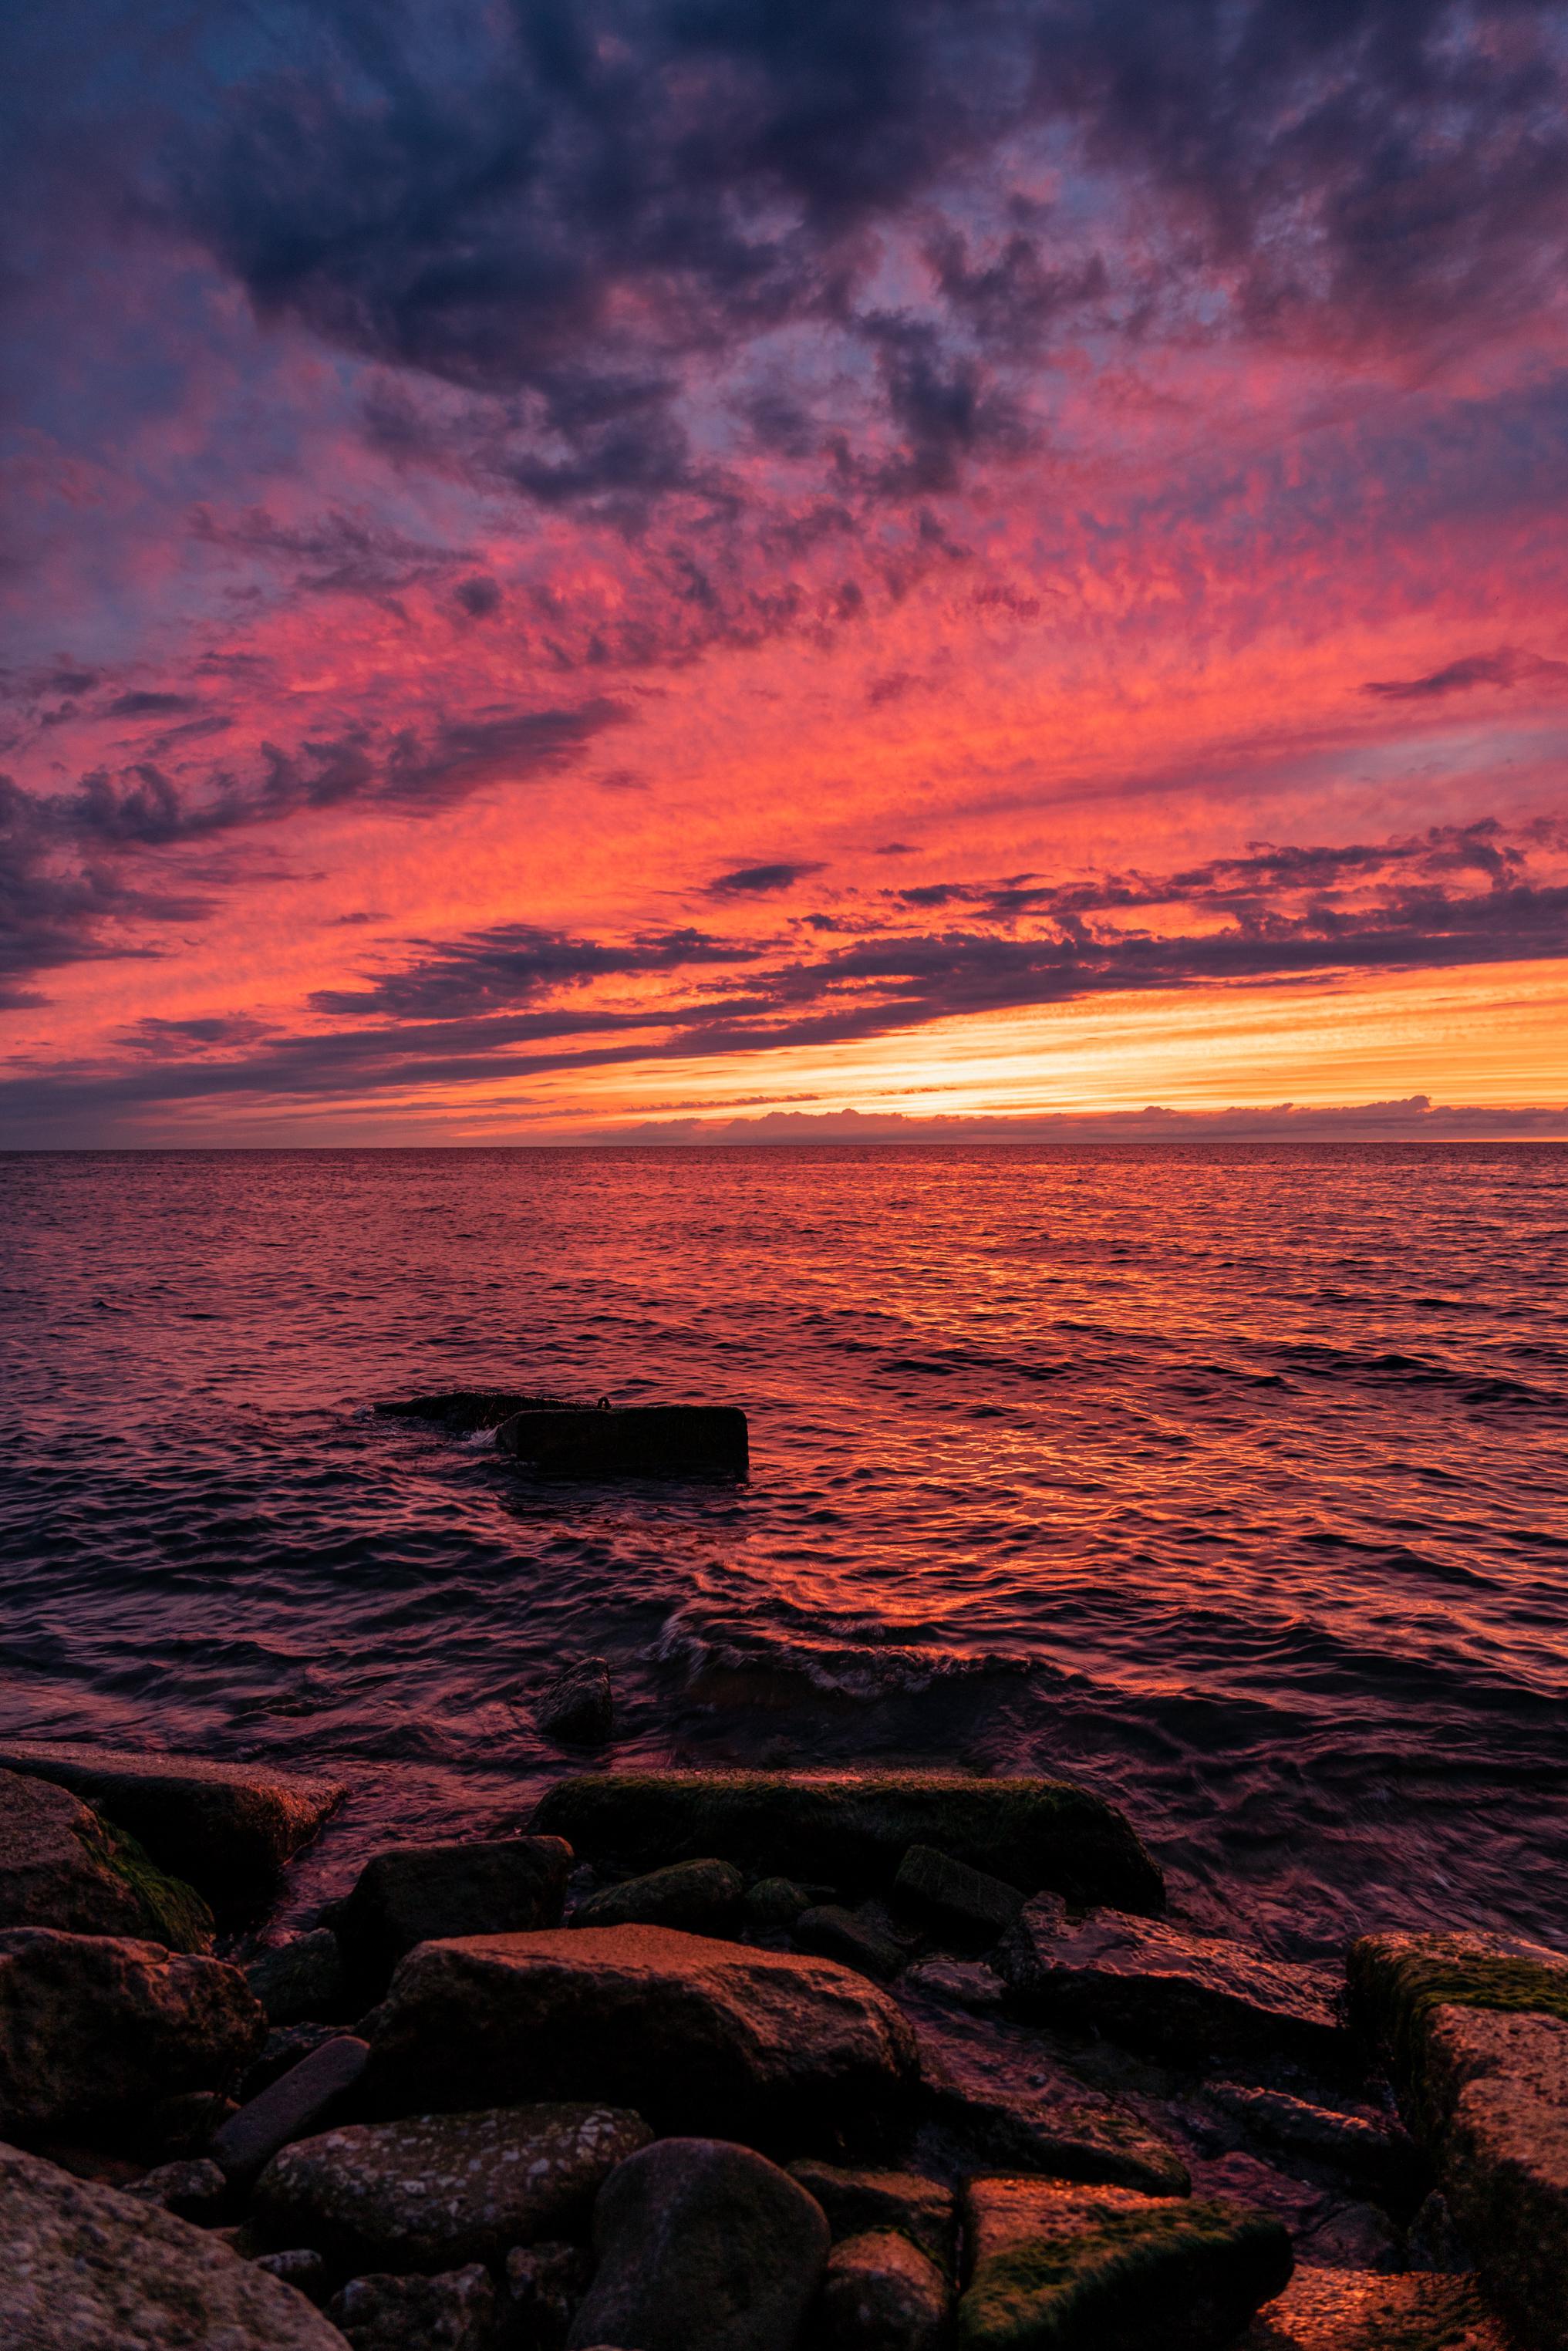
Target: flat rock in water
(1155,1986)
(301,1980)
(1346,2310)
(576,1705)
(226,1828)
(1103,2269)
(701,2246)
(883,2294)
(437,2190)
(701,1896)
(692,2032)
(84,2268)
(97,2029)
(61,1866)
(422,1893)
(458,2312)
(659,1440)
(852,1829)
(856,2201)
(1009,2100)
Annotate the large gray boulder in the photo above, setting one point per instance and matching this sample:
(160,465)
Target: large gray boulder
(226,1828)
(422,1893)
(701,2247)
(98,2029)
(436,2191)
(61,1866)
(695,2033)
(83,2268)
(1155,1986)
(852,1829)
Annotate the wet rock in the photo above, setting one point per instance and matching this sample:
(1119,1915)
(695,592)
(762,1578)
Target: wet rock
(1157,1987)
(301,1980)
(1328,2229)
(1009,2100)
(281,2051)
(1373,2150)
(545,2283)
(93,2028)
(225,1828)
(660,1440)
(436,2191)
(858,1940)
(956,1983)
(83,2266)
(296,2104)
(968,1901)
(883,2294)
(701,2247)
(1397,1982)
(702,1897)
(695,2033)
(773,1905)
(1353,2237)
(578,1705)
(1089,2266)
(459,2312)
(61,1866)
(301,2268)
(856,2201)
(421,1893)
(193,2188)
(855,1828)
(1344,2310)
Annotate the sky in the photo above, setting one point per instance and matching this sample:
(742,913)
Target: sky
(680,569)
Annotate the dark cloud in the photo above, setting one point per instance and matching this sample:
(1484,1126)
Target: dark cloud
(478,597)
(149,705)
(758,881)
(1504,667)
(513,963)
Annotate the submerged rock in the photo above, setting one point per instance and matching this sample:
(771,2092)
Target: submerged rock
(1347,2310)
(701,2247)
(84,2268)
(436,2191)
(659,1440)
(225,1828)
(61,1866)
(421,1893)
(857,2201)
(296,2104)
(300,1980)
(702,1896)
(881,2292)
(1083,2269)
(576,1705)
(467,1410)
(695,2033)
(458,2312)
(1156,1986)
(95,2029)
(853,1828)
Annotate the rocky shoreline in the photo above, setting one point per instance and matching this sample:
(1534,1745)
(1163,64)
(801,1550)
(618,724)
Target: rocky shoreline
(738,2062)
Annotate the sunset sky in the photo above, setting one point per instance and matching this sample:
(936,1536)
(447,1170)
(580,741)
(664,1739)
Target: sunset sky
(649,567)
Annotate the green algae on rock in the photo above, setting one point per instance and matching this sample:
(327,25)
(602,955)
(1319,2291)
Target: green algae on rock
(855,1828)
(701,1896)
(1056,2268)
(1397,1981)
(62,1866)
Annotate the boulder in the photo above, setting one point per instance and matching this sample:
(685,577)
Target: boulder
(1154,1986)
(701,2247)
(576,1705)
(293,2107)
(301,1980)
(84,2268)
(60,1865)
(1396,1981)
(853,1828)
(1103,2269)
(1348,2310)
(857,2201)
(858,1938)
(436,2191)
(422,1893)
(882,2293)
(193,2187)
(773,1905)
(96,2028)
(968,1902)
(695,2033)
(226,1828)
(458,2312)
(1008,2101)
(702,1897)
(657,1440)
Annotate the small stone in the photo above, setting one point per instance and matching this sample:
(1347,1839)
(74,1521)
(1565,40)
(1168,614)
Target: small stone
(576,1705)
(61,1866)
(849,1936)
(856,2201)
(301,2268)
(774,1904)
(297,2103)
(1344,2310)
(428,1893)
(956,1896)
(458,2312)
(883,2294)
(437,2190)
(702,1897)
(956,1983)
(301,1980)
(545,2283)
(194,2190)
(701,2246)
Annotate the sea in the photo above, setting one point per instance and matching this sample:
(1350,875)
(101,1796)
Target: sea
(1227,1481)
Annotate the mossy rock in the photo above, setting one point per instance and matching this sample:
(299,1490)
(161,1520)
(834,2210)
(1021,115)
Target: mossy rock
(1397,1981)
(177,1915)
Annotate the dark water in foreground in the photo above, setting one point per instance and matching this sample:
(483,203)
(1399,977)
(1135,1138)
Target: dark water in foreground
(1231,1481)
